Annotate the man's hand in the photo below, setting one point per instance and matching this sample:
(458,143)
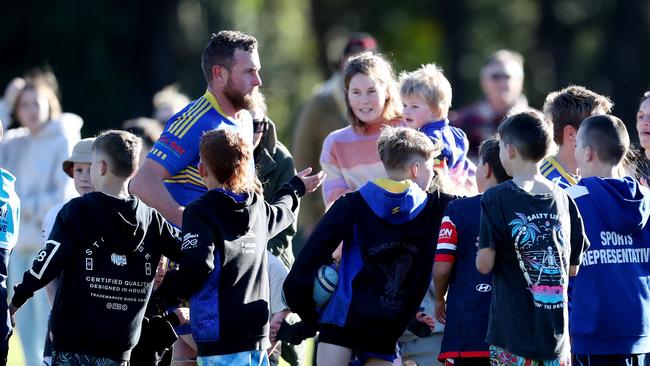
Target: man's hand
(276,322)
(311,182)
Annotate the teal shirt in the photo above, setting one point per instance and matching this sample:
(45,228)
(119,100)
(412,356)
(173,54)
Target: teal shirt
(9,211)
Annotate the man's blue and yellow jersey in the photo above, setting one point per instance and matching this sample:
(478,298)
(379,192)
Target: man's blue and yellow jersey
(177,149)
(553,171)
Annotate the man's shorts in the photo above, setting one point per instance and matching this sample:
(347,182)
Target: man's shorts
(501,357)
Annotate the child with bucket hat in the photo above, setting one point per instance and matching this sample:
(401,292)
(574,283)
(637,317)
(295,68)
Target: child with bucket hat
(77,167)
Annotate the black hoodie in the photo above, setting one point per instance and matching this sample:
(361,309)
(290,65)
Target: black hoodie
(223,270)
(105,250)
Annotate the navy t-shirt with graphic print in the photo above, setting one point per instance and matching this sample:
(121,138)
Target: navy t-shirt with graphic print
(536,239)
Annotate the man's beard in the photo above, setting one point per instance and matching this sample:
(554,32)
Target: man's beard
(236,98)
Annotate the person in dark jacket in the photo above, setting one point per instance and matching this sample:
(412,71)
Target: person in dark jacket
(104,248)
(275,166)
(223,269)
(389,229)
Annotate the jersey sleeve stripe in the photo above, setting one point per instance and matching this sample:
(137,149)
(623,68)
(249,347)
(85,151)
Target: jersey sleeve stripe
(191,122)
(444,258)
(446,246)
(189,114)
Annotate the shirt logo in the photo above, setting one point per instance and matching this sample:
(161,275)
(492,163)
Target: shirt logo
(118,260)
(190,241)
(483,287)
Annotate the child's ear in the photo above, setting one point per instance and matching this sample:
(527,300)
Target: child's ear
(589,154)
(512,152)
(569,135)
(436,111)
(203,171)
(415,170)
(487,172)
(103,167)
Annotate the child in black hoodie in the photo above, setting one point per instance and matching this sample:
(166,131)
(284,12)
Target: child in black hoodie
(104,247)
(223,269)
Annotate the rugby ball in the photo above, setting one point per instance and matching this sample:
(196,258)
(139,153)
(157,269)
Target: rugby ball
(325,284)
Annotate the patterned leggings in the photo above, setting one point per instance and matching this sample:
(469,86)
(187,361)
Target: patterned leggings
(501,357)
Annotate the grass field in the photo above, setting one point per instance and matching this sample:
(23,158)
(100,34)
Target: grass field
(15,357)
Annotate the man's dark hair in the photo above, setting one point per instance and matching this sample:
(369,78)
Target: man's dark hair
(122,150)
(221,49)
(488,153)
(607,136)
(570,106)
(528,133)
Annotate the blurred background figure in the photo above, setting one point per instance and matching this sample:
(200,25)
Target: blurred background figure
(167,102)
(502,82)
(643,130)
(322,114)
(148,129)
(35,152)
(8,99)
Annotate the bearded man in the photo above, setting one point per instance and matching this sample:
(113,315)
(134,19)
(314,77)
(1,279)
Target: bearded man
(169,178)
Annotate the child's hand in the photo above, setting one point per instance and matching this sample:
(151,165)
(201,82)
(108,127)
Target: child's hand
(183,315)
(426,319)
(311,182)
(441,311)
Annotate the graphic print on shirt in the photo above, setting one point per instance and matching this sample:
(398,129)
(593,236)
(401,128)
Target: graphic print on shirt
(539,259)
(396,275)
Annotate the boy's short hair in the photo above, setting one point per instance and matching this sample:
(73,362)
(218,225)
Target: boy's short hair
(528,133)
(397,146)
(228,156)
(488,153)
(221,49)
(608,136)
(570,106)
(428,83)
(122,150)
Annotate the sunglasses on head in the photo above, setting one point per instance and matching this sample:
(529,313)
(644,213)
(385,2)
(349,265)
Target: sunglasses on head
(260,125)
(500,76)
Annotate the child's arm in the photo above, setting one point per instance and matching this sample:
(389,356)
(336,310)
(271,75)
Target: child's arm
(49,261)
(280,212)
(197,254)
(334,186)
(579,241)
(335,226)
(485,260)
(444,262)
(170,238)
(488,237)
